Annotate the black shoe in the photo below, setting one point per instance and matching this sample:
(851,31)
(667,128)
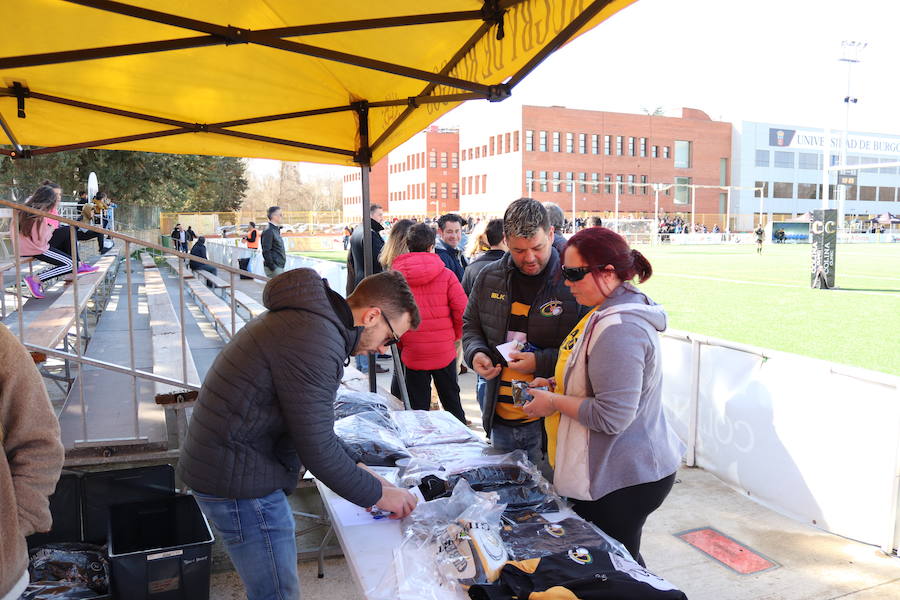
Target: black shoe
(380,369)
(382,356)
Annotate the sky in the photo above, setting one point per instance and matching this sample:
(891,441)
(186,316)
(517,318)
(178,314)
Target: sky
(767,60)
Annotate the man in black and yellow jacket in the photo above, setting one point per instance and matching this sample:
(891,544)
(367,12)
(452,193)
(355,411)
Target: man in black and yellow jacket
(518,298)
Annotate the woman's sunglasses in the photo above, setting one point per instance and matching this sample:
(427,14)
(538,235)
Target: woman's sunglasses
(577,273)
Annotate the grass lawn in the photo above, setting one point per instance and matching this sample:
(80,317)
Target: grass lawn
(332,255)
(765,300)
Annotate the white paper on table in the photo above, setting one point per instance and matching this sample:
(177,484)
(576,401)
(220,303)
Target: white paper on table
(508,347)
(351,515)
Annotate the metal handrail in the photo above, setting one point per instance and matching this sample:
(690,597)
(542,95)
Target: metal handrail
(128,238)
(78,357)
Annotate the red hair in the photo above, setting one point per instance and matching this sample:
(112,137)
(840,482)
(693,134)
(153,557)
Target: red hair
(600,246)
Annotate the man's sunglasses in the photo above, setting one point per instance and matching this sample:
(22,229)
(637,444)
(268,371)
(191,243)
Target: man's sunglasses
(577,273)
(394,339)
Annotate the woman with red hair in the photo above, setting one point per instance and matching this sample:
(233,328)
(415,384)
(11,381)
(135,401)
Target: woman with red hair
(613,452)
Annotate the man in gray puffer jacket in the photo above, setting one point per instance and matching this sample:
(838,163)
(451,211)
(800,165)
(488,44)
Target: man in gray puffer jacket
(267,406)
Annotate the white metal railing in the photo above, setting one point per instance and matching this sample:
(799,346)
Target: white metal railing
(78,357)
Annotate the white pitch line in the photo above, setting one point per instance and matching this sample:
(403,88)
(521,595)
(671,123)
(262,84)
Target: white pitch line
(773,284)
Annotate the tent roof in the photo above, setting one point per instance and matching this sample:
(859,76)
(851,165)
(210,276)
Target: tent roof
(337,82)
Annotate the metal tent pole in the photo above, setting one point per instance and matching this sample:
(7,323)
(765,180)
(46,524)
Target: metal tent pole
(364,158)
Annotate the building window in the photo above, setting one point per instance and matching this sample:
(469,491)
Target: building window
(570,142)
(477,184)
(484,184)
(515,141)
(529,140)
(555,181)
(543,182)
(784,160)
(682,154)
(645,189)
(569,181)
(454,189)
(443,190)
(582,143)
(643,147)
(432,159)
(543,141)
(765,189)
(631,184)
(809,161)
(886,194)
(607,189)
(619,184)
(888,170)
(477,151)
(529,181)
(454,160)
(595,143)
(443,160)
(484,150)
(607,145)
(432,190)
(762,158)
(665,152)
(631,146)
(654,151)
(682,191)
(508,139)
(619,142)
(556,141)
(868,193)
(783,189)
(492,146)
(807,191)
(595,188)
(582,177)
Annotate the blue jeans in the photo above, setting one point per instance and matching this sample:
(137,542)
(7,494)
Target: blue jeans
(258,534)
(525,437)
(480,389)
(362,362)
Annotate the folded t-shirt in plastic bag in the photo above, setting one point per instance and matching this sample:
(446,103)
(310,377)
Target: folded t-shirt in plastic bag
(429,427)
(444,454)
(368,438)
(79,569)
(534,540)
(350,402)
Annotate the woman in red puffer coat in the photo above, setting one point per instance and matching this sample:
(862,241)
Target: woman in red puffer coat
(429,352)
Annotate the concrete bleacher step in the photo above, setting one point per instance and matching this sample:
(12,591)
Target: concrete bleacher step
(248,304)
(172,261)
(218,311)
(213,281)
(147,261)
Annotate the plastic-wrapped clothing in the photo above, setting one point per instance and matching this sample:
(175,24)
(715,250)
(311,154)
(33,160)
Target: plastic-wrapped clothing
(351,402)
(424,428)
(534,540)
(491,475)
(515,484)
(581,572)
(442,454)
(58,590)
(83,565)
(367,437)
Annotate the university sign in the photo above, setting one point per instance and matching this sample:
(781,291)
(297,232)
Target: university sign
(804,139)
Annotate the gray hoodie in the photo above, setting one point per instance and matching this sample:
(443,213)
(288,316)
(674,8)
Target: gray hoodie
(630,441)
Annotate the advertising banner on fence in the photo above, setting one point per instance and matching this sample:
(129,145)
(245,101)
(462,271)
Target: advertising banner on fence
(823,235)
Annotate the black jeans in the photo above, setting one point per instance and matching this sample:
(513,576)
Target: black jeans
(418,385)
(622,513)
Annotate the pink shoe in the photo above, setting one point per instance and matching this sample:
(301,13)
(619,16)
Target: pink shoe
(34,286)
(86,268)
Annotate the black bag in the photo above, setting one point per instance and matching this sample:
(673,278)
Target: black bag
(244,264)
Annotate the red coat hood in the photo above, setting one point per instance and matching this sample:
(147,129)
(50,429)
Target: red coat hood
(419,268)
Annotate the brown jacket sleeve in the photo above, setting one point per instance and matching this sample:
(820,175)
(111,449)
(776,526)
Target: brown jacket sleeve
(30,436)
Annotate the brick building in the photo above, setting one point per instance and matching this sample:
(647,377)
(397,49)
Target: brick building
(543,151)
(352,190)
(420,177)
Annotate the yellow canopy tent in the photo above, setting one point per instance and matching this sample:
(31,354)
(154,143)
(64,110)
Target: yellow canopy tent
(337,82)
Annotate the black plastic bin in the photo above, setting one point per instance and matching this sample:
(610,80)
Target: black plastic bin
(160,550)
(244,263)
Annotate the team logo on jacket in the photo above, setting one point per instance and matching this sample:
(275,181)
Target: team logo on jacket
(553,308)
(581,556)
(555,529)
(498,296)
